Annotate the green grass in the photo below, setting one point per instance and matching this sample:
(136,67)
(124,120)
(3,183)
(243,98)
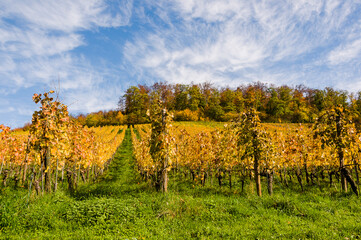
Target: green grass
(120,206)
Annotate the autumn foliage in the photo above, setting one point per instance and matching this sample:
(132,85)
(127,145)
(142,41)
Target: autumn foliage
(56,148)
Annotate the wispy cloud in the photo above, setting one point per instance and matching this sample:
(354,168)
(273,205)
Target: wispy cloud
(67,15)
(37,43)
(345,52)
(224,41)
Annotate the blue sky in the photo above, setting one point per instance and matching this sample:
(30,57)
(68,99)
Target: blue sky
(92,51)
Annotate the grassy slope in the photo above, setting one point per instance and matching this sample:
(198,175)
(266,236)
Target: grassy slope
(119,207)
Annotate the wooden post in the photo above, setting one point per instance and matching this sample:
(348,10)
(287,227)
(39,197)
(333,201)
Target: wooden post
(47,167)
(356,172)
(165,166)
(2,164)
(26,162)
(342,166)
(56,175)
(257,177)
(41,173)
(270,182)
(256,158)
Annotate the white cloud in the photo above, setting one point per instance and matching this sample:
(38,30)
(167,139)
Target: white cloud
(213,10)
(36,43)
(19,43)
(68,15)
(345,52)
(235,41)
(46,28)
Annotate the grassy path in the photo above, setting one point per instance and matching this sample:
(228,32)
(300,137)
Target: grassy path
(120,177)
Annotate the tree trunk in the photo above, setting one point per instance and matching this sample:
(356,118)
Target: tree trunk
(342,166)
(70,177)
(203,180)
(2,165)
(56,175)
(17,177)
(26,160)
(230,179)
(306,170)
(285,175)
(257,176)
(78,179)
(74,176)
(37,186)
(348,177)
(165,159)
(270,182)
(330,177)
(47,167)
(83,176)
(356,172)
(290,176)
(165,180)
(6,175)
(41,176)
(219,180)
(62,174)
(25,170)
(158,181)
(299,179)
(87,174)
(281,176)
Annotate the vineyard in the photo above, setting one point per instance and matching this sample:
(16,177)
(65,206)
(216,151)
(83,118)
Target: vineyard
(179,180)
(55,149)
(246,150)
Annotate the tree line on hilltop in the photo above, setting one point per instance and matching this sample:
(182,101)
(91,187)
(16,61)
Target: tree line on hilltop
(205,102)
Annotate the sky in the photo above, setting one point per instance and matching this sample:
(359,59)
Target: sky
(91,51)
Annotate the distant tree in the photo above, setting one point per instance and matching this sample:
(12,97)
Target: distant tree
(196,100)
(81,118)
(214,110)
(273,106)
(94,119)
(255,96)
(355,108)
(334,98)
(180,97)
(238,101)
(206,90)
(318,100)
(227,100)
(300,108)
(136,101)
(120,117)
(166,94)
